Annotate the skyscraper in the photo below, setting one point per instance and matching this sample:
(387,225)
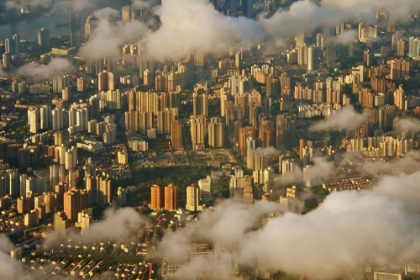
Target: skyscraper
(216,133)
(413,47)
(193,198)
(74,201)
(126,13)
(156,197)
(331,53)
(16,43)
(244,133)
(165,119)
(230,7)
(171,198)
(285,129)
(176,134)
(57,119)
(132,121)
(200,101)
(106,81)
(33,119)
(146,122)
(104,190)
(75,27)
(247,8)
(7,60)
(198,131)
(44,38)
(269,7)
(399,98)
(88,27)
(312,59)
(284,85)
(401,47)
(367,57)
(9,46)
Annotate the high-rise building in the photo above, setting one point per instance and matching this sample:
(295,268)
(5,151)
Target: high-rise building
(75,27)
(121,196)
(176,134)
(205,190)
(200,101)
(60,82)
(367,57)
(7,60)
(285,129)
(230,7)
(401,48)
(413,47)
(131,12)
(103,190)
(381,275)
(248,196)
(106,81)
(33,119)
(126,13)
(74,201)
(272,87)
(61,223)
(247,8)
(171,198)
(132,121)
(216,135)
(198,131)
(156,197)
(233,114)
(16,43)
(330,53)
(400,69)
(240,187)
(88,27)
(146,122)
(9,46)
(143,101)
(71,158)
(238,85)
(238,58)
(312,59)
(302,55)
(320,40)
(193,199)
(366,33)
(165,119)
(44,38)
(266,133)
(399,99)
(57,119)
(300,40)
(54,174)
(31,219)
(65,94)
(78,118)
(244,133)
(269,7)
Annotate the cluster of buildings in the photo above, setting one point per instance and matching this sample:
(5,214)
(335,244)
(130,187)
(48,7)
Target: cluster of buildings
(58,166)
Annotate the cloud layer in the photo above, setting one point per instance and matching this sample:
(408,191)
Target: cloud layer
(336,239)
(407,125)
(57,66)
(189,26)
(346,118)
(107,38)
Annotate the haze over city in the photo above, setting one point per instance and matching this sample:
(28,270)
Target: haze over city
(210,139)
